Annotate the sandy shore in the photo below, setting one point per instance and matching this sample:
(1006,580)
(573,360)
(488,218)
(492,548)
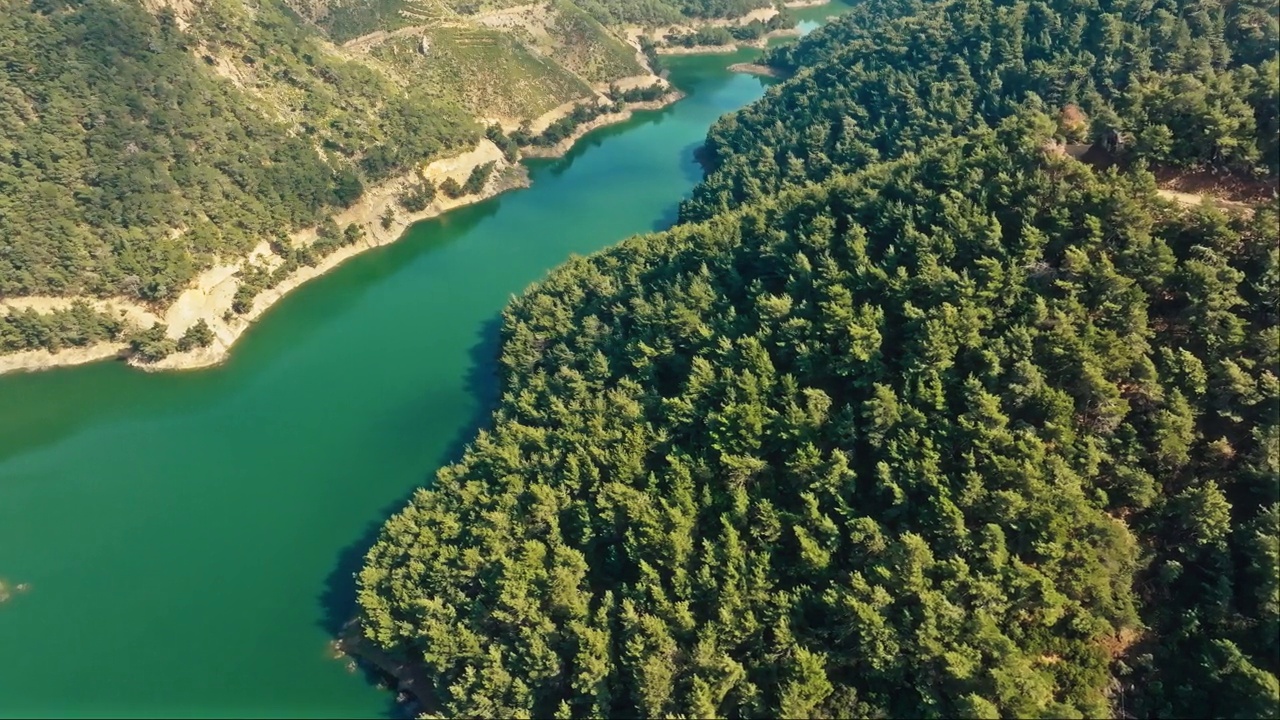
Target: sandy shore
(565,145)
(633,33)
(759,43)
(211,294)
(43,359)
(755,69)
(696,50)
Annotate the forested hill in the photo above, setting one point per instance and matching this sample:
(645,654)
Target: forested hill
(142,141)
(978,433)
(962,427)
(1187,84)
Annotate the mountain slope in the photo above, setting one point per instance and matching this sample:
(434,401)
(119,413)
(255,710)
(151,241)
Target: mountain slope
(142,144)
(1188,85)
(914,415)
(893,445)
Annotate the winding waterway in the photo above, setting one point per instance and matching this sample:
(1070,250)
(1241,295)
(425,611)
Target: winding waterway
(187,539)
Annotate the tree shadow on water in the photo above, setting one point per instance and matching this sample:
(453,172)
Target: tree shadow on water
(694,161)
(338,599)
(692,167)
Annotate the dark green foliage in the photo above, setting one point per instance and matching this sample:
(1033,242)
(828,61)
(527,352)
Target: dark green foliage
(135,153)
(329,239)
(977,432)
(199,335)
(727,35)
(913,442)
(479,176)
(650,51)
(756,29)
(79,325)
(714,35)
(523,136)
(347,187)
(891,76)
(406,143)
(417,197)
(388,218)
(242,302)
(255,278)
(718,8)
(509,147)
(152,344)
(662,12)
(451,188)
(565,126)
(649,93)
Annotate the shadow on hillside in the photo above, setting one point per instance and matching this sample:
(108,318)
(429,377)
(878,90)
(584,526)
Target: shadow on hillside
(338,599)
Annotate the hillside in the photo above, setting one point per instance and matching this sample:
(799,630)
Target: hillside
(932,440)
(914,415)
(151,149)
(1186,85)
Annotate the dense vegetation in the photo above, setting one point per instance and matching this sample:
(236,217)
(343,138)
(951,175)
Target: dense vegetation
(126,166)
(79,325)
(1191,84)
(920,418)
(141,145)
(661,12)
(727,35)
(565,126)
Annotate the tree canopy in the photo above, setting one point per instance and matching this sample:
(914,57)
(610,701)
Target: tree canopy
(973,432)
(912,416)
(1190,84)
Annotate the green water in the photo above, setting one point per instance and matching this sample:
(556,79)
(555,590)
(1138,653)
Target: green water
(189,538)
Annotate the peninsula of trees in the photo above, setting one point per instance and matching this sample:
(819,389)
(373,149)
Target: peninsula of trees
(915,415)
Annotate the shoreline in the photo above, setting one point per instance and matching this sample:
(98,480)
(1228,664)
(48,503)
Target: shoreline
(411,686)
(756,69)
(657,34)
(210,295)
(563,147)
(760,43)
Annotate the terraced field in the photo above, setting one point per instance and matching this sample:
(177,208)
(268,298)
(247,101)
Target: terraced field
(247,119)
(488,72)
